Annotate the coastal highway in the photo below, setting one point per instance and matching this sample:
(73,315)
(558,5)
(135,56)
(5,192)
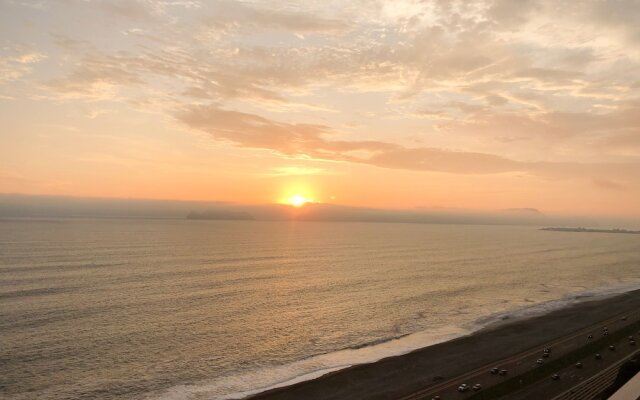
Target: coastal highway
(586,383)
(521,362)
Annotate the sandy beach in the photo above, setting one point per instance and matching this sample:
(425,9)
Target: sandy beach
(395,377)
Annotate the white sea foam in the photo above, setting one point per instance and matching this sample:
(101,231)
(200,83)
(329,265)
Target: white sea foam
(246,384)
(239,386)
(549,306)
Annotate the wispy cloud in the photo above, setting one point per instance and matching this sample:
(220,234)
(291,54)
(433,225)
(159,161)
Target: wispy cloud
(295,171)
(544,88)
(317,141)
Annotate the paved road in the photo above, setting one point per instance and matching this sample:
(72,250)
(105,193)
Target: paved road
(521,362)
(581,384)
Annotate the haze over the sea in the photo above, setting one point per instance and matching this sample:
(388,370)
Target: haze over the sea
(25,206)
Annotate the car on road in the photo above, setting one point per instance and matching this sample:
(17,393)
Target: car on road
(463,388)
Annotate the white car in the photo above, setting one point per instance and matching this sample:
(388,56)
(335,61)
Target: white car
(463,388)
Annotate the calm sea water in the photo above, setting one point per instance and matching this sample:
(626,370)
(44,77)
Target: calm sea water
(158,309)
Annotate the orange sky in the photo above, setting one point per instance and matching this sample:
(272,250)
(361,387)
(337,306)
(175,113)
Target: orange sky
(399,104)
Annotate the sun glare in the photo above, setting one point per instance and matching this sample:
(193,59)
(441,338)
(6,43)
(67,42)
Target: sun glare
(298,201)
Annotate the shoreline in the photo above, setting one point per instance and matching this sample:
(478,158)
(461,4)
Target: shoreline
(496,336)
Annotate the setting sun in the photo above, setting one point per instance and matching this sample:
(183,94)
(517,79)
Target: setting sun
(290,179)
(298,201)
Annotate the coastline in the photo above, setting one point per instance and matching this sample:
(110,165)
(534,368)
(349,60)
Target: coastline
(497,336)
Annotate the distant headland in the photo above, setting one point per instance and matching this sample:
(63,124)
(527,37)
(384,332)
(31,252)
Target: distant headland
(220,215)
(591,230)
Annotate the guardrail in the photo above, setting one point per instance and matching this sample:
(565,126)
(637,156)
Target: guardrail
(595,385)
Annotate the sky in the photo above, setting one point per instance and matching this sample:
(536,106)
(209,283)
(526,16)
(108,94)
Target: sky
(395,104)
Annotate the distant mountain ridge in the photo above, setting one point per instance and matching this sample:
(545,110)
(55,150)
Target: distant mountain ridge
(524,210)
(27,206)
(220,215)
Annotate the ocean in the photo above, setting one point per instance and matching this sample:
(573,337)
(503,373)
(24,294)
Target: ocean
(185,309)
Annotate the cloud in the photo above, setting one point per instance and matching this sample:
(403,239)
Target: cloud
(133,9)
(319,142)
(250,130)
(253,131)
(454,49)
(490,74)
(600,131)
(294,171)
(16,63)
(94,79)
(429,159)
(142,10)
(237,15)
(618,15)
(608,184)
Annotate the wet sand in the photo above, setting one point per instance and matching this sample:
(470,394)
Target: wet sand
(394,377)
